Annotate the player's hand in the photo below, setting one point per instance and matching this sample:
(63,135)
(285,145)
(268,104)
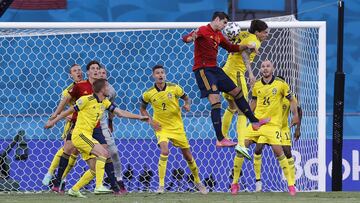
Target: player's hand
(155,125)
(295,121)
(194,35)
(186,107)
(49,124)
(297,134)
(252,79)
(252,48)
(68,118)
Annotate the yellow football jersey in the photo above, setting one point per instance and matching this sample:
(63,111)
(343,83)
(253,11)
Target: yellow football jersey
(269,100)
(234,61)
(90,110)
(65,93)
(165,104)
(286,112)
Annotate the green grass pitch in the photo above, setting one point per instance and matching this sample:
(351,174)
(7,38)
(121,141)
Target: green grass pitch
(311,197)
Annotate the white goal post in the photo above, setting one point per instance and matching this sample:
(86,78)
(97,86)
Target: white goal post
(31,52)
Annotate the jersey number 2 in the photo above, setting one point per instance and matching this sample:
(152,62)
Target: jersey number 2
(163,106)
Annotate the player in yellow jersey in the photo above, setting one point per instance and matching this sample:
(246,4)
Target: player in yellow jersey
(236,65)
(168,124)
(77,75)
(285,142)
(267,98)
(90,109)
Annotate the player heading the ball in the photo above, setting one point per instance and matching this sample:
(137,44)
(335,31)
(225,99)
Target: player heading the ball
(211,79)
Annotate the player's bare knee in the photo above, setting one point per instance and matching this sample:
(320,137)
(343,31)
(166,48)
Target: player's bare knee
(287,152)
(214,98)
(235,91)
(187,154)
(68,148)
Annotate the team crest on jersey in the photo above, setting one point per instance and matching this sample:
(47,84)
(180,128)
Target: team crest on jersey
(169,95)
(274,91)
(284,107)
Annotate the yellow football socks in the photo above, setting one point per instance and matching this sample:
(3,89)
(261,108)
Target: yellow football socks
(56,160)
(285,167)
(162,169)
(292,169)
(84,180)
(238,162)
(226,121)
(194,170)
(257,166)
(241,129)
(100,170)
(71,164)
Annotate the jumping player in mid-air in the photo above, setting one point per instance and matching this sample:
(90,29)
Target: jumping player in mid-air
(211,79)
(236,65)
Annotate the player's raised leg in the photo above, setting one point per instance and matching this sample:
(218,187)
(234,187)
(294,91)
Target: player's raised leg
(227,119)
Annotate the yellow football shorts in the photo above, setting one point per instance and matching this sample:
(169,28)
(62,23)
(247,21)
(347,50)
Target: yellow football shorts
(239,79)
(286,137)
(84,142)
(178,138)
(265,135)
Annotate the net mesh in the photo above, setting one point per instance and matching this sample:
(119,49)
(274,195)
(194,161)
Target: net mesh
(34,64)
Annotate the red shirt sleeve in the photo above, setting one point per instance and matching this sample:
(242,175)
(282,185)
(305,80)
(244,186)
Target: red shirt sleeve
(224,43)
(199,34)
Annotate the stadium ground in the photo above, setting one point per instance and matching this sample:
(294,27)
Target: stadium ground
(348,197)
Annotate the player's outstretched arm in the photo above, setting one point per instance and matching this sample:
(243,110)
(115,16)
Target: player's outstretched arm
(155,125)
(127,114)
(60,107)
(187,104)
(246,59)
(297,133)
(253,104)
(294,111)
(51,123)
(191,36)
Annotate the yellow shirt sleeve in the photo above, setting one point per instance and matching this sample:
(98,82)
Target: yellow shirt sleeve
(179,92)
(286,90)
(145,97)
(81,103)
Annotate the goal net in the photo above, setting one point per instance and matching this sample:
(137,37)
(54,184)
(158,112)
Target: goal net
(35,57)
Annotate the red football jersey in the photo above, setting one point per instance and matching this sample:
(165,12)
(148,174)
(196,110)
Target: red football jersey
(206,46)
(80,89)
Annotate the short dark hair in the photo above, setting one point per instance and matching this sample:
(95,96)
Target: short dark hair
(221,15)
(73,65)
(98,85)
(157,67)
(257,25)
(91,63)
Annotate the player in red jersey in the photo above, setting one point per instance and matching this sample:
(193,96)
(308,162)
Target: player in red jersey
(211,79)
(81,88)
